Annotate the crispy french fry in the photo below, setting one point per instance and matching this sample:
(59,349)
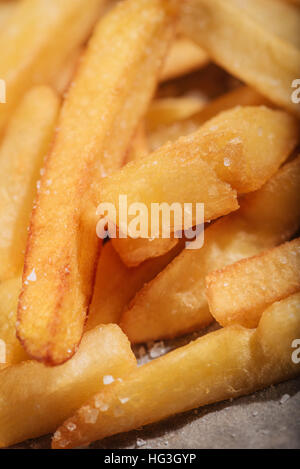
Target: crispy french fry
(9,294)
(39,398)
(95,129)
(239,293)
(22,153)
(63,79)
(247,47)
(224,364)
(241,96)
(266,218)
(165,111)
(49,31)
(184,57)
(244,146)
(117,284)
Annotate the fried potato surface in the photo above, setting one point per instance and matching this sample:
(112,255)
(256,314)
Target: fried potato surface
(228,363)
(266,218)
(39,398)
(248,46)
(25,144)
(184,57)
(239,293)
(9,294)
(49,31)
(96,125)
(116,284)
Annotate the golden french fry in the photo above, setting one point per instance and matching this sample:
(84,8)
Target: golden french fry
(266,218)
(39,398)
(165,111)
(117,284)
(22,153)
(95,129)
(277,17)
(239,293)
(247,47)
(184,57)
(49,31)
(241,96)
(228,363)
(9,294)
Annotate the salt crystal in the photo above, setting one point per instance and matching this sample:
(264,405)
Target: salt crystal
(157,350)
(90,415)
(108,379)
(226,162)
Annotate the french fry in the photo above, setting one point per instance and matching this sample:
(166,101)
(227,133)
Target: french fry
(117,284)
(22,153)
(165,111)
(247,47)
(9,294)
(266,218)
(63,79)
(95,128)
(241,96)
(49,31)
(39,398)
(228,363)
(268,277)
(244,146)
(184,57)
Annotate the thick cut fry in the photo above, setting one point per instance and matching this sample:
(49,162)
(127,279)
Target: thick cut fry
(266,218)
(165,111)
(184,57)
(247,47)
(49,31)
(241,96)
(96,125)
(224,364)
(39,398)
(117,284)
(9,294)
(22,153)
(239,293)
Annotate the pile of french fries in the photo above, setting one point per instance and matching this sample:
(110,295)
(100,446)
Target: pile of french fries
(166,101)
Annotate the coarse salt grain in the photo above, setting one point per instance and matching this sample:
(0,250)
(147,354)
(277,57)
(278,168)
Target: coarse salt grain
(32,276)
(108,379)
